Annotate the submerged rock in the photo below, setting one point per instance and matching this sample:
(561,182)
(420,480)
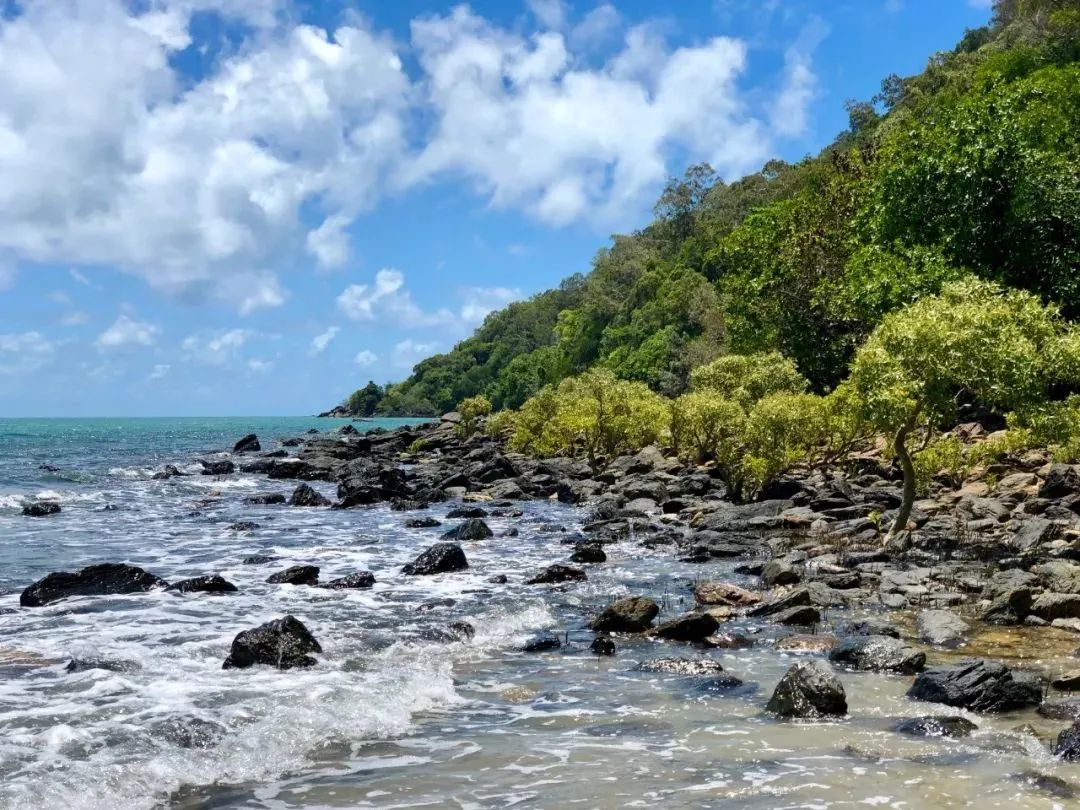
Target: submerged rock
(189,732)
(951,726)
(589,553)
(942,628)
(95,580)
(696,626)
(557,573)
(296,575)
(1067,746)
(441,558)
(222,467)
(632,615)
(265,499)
(422,523)
(41,509)
(682,666)
(282,643)
(978,685)
(213,583)
(167,472)
(602,645)
(878,654)
(107,664)
(361,579)
(808,690)
(541,643)
(306,495)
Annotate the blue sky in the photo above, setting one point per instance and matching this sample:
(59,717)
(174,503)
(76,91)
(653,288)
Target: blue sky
(247,207)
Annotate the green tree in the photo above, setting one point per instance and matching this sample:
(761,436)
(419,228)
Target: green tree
(472,410)
(746,378)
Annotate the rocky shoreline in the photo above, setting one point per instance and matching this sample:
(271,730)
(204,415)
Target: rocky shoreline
(999,550)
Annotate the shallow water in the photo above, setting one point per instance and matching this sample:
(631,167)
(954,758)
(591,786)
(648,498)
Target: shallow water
(388,718)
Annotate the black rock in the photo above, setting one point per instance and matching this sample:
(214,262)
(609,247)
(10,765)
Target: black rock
(296,575)
(602,645)
(470,530)
(96,580)
(248,444)
(589,553)
(282,643)
(694,626)
(936,727)
(634,614)
(361,579)
(541,642)
(189,732)
(305,495)
(223,467)
(265,498)
(244,526)
(557,573)
(439,559)
(978,685)
(169,471)
(690,667)
(498,579)
(466,512)
(108,664)
(802,616)
(1067,746)
(208,584)
(1067,709)
(877,654)
(41,509)
(1062,480)
(422,523)
(809,689)
(869,627)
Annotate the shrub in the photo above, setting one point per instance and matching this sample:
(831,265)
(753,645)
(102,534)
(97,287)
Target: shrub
(746,378)
(472,410)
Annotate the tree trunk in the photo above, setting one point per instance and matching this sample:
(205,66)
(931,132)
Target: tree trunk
(908,468)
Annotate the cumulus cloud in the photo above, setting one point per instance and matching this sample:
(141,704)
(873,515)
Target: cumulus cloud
(216,348)
(321,341)
(388,299)
(24,352)
(480,301)
(159,371)
(126,331)
(366,358)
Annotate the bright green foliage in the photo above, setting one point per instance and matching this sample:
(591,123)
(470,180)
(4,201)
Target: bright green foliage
(472,410)
(745,379)
(782,430)
(707,426)
(501,424)
(595,414)
(946,457)
(364,401)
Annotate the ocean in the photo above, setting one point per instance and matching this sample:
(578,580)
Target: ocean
(122,702)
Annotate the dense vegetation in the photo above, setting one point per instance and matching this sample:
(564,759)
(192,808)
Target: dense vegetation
(969,167)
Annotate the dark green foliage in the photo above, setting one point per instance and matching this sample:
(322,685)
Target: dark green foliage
(970,167)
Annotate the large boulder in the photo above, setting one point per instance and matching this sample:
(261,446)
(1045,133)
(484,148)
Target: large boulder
(296,575)
(877,654)
(441,558)
(589,553)
(724,593)
(361,579)
(809,689)
(214,583)
(557,573)
(695,626)
(1062,480)
(632,615)
(41,509)
(1050,606)
(95,580)
(1067,746)
(306,495)
(942,628)
(265,498)
(1059,576)
(468,531)
(248,444)
(218,467)
(782,571)
(363,482)
(978,685)
(283,643)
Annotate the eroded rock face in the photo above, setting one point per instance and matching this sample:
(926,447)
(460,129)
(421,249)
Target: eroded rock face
(283,643)
(95,580)
(441,558)
(978,685)
(632,615)
(877,654)
(808,690)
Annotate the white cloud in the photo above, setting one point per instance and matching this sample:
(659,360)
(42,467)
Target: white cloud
(387,299)
(329,243)
(159,371)
(108,158)
(531,129)
(258,366)
(24,352)
(366,358)
(126,331)
(479,301)
(321,341)
(8,275)
(409,352)
(597,27)
(216,348)
(79,277)
(788,116)
(549,13)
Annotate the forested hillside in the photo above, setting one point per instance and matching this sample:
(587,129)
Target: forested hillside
(970,167)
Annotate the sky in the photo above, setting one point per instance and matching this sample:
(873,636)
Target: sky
(252,207)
